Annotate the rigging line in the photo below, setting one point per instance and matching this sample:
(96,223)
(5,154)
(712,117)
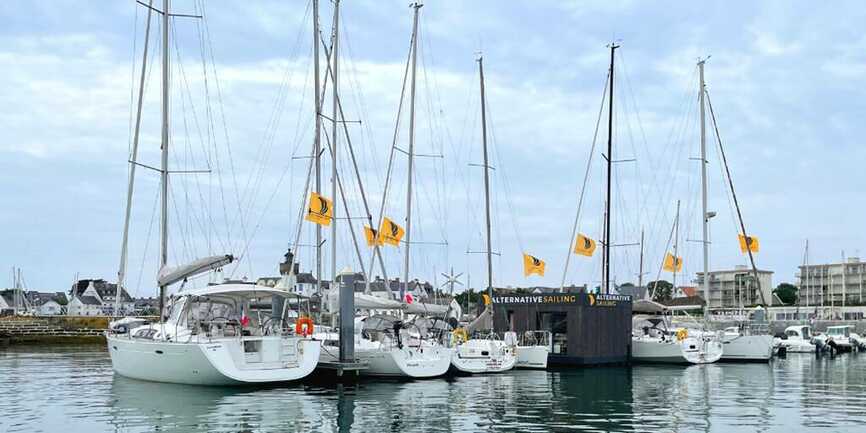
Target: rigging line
(659,274)
(147,243)
(359,98)
(396,136)
(734,196)
(434,125)
(183,101)
(376,250)
(264,151)
(132,79)
(589,160)
(675,135)
(678,134)
(201,27)
(442,126)
(504,178)
(241,213)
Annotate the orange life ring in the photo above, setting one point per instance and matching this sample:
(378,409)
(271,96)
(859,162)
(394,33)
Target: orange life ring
(304,326)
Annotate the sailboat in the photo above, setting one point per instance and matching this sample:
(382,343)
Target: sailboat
(224,334)
(484,352)
(747,343)
(387,344)
(655,339)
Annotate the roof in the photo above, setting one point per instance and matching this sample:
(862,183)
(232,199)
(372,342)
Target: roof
(89,300)
(41,298)
(103,288)
(8,296)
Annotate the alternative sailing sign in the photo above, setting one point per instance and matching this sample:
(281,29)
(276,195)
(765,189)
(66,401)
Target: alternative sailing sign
(589,299)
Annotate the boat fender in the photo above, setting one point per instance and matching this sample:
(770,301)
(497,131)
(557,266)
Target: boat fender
(460,334)
(304,326)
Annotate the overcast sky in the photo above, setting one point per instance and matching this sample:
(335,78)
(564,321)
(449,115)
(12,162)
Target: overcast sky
(786,84)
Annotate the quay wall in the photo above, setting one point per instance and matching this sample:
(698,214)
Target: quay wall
(53,329)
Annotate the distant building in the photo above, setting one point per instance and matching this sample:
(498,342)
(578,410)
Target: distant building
(636,292)
(538,290)
(737,288)
(47,303)
(92,297)
(833,284)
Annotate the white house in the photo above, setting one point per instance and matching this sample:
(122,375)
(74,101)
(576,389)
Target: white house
(104,293)
(84,306)
(47,303)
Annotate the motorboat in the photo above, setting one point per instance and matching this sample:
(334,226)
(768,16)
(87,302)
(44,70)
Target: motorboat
(842,338)
(532,349)
(798,339)
(742,345)
(225,334)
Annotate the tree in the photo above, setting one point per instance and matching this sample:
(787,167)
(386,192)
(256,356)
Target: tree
(661,291)
(787,293)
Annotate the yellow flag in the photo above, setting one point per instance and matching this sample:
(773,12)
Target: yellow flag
(390,232)
(487,300)
(532,265)
(673,263)
(749,243)
(584,246)
(372,236)
(320,210)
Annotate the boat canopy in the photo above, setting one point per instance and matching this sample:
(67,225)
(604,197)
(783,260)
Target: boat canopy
(241,290)
(171,275)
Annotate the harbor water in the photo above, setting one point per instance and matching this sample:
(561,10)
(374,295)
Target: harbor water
(72,389)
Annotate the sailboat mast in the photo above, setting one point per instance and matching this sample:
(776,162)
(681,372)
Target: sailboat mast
(163,226)
(676,247)
(640,267)
(704,214)
(411,153)
(606,245)
(317,144)
(133,158)
(486,179)
(334,136)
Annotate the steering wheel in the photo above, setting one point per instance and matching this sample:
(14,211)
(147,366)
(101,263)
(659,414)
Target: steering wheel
(268,325)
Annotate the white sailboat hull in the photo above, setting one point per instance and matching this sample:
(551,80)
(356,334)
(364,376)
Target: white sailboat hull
(382,361)
(747,347)
(218,362)
(688,351)
(408,362)
(483,356)
(532,357)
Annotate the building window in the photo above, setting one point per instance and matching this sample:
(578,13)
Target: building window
(557,324)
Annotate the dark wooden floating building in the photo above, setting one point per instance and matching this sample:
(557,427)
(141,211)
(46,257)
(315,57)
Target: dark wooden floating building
(586,328)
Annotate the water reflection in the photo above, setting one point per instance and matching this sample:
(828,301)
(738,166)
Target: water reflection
(72,389)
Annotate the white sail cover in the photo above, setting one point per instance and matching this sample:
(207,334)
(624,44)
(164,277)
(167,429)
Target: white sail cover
(362,301)
(171,275)
(421,307)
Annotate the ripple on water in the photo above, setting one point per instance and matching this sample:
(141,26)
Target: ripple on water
(73,389)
